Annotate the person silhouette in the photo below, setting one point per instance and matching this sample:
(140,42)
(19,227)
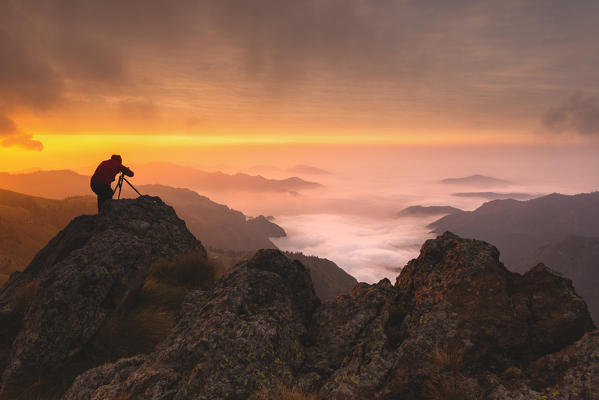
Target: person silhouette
(104,175)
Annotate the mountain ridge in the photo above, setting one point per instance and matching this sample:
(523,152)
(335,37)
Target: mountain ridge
(59,184)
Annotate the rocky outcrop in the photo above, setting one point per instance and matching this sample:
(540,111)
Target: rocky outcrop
(468,310)
(456,324)
(572,373)
(89,271)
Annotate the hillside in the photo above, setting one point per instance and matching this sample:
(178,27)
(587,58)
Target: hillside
(48,184)
(519,227)
(455,325)
(28,223)
(217,225)
(329,280)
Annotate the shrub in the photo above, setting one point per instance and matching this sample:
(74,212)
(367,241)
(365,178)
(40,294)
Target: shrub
(154,310)
(191,271)
(445,387)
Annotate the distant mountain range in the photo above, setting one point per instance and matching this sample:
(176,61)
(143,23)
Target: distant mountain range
(329,280)
(183,176)
(476,180)
(425,211)
(496,196)
(64,183)
(515,226)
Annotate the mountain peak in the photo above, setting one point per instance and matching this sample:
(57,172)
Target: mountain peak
(88,272)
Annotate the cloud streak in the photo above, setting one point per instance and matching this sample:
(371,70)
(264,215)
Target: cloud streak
(11,135)
(578,113)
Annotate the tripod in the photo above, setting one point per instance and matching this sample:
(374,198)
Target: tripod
(119,186)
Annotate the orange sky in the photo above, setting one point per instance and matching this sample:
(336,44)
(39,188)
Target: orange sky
(82,78)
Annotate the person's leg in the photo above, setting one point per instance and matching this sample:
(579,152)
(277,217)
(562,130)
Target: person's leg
(105,194)
(97,190)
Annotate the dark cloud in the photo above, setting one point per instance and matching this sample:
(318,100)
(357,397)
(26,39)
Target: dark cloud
(376,60)
(579,113)
(10,135)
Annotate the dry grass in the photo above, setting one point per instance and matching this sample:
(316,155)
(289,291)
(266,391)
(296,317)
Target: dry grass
(153,313)
(449,359)
(445,387)
(447,382)
(191,271)
(442,379)
(279,391)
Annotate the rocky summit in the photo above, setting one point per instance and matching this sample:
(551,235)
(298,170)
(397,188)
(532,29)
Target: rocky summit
(455,325)
(90,270)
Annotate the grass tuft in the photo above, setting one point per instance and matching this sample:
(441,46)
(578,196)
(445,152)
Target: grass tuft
(154,310)
(279,391)
(191,271)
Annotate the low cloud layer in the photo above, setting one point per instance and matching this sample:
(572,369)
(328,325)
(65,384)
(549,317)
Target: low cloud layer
(578,113)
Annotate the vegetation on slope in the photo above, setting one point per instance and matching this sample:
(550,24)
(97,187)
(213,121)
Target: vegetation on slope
(137,331)
(28,223)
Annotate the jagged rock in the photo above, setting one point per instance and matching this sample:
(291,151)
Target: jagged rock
(351,353)
(465,307)
(86,273)
(248,331)
(454,313)
(456,319)
(572,374)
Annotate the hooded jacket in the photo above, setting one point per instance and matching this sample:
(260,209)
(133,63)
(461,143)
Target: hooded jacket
(108,169)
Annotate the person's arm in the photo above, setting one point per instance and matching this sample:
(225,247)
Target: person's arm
(126,171)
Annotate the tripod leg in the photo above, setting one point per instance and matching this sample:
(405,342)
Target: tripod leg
(119,186)
(132,187)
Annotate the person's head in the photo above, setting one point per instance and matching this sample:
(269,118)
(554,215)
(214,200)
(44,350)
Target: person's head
(116,157)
